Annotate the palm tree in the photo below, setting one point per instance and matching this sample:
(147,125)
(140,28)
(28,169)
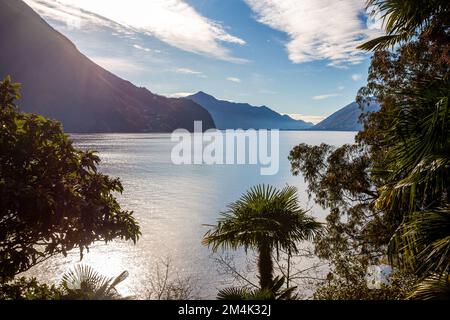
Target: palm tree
(273,293)
(84,283)
(263,219)
(404,19)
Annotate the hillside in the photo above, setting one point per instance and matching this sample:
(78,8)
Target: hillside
(230,115)
(347,118)
(61,83)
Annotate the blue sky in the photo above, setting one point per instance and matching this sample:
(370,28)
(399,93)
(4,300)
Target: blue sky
(295,56)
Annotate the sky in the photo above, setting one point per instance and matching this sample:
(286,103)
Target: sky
(297,57)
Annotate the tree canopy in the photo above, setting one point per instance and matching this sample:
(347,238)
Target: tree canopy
(388,193)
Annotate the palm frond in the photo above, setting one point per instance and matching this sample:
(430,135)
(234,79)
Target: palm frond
(84,283)
(422,242)
(274,293)
(418,160)
(435,287)
(404,19)
(233,293)
(263,213)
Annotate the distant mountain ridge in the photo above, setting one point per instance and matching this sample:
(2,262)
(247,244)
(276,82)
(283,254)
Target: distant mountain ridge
(61,83)
(231,115)
(347,118)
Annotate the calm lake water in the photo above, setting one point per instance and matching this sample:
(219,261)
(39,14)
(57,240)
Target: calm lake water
(172,203)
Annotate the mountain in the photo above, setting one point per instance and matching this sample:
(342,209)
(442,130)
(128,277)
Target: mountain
(61,83)
(347,118)
(230,115)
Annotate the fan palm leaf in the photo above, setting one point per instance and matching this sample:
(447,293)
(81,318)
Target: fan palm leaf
(84,283)
(418,161)
(273,293)
(422,242)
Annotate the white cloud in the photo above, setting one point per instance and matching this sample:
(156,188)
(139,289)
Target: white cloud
(179,94)
(320,29)
(136,46)
(356,77)
(340,88)
(117,65)
(307,118)
(174,22)
(325,96)
(234,79)
(187,71)
(375,19)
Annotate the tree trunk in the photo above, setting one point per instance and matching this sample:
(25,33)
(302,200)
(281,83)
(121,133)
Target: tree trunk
(265,266)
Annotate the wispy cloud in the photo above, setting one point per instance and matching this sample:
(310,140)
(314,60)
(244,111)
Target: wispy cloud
(234,79)
(325,96)
(179,94)
(320,29)
(188,71)
(340,88)
(307,118)
(356,77)
(174,22)
(117,65)
(136,46)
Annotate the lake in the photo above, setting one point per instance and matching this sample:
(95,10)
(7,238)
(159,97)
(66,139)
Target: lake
(172,204)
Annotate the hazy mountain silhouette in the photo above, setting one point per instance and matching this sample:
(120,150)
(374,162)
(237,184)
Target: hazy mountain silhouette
(230,115)
(347,118)
(61,83)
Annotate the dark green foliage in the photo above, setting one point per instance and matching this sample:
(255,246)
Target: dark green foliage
(264,219)
(28,289)
(80,283)
(354,287)
(52,197)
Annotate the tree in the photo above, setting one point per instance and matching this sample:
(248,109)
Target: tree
(53,199)
(412,83)
(393,182)
(264,219)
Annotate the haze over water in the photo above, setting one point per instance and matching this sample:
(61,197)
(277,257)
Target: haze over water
(172,203)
